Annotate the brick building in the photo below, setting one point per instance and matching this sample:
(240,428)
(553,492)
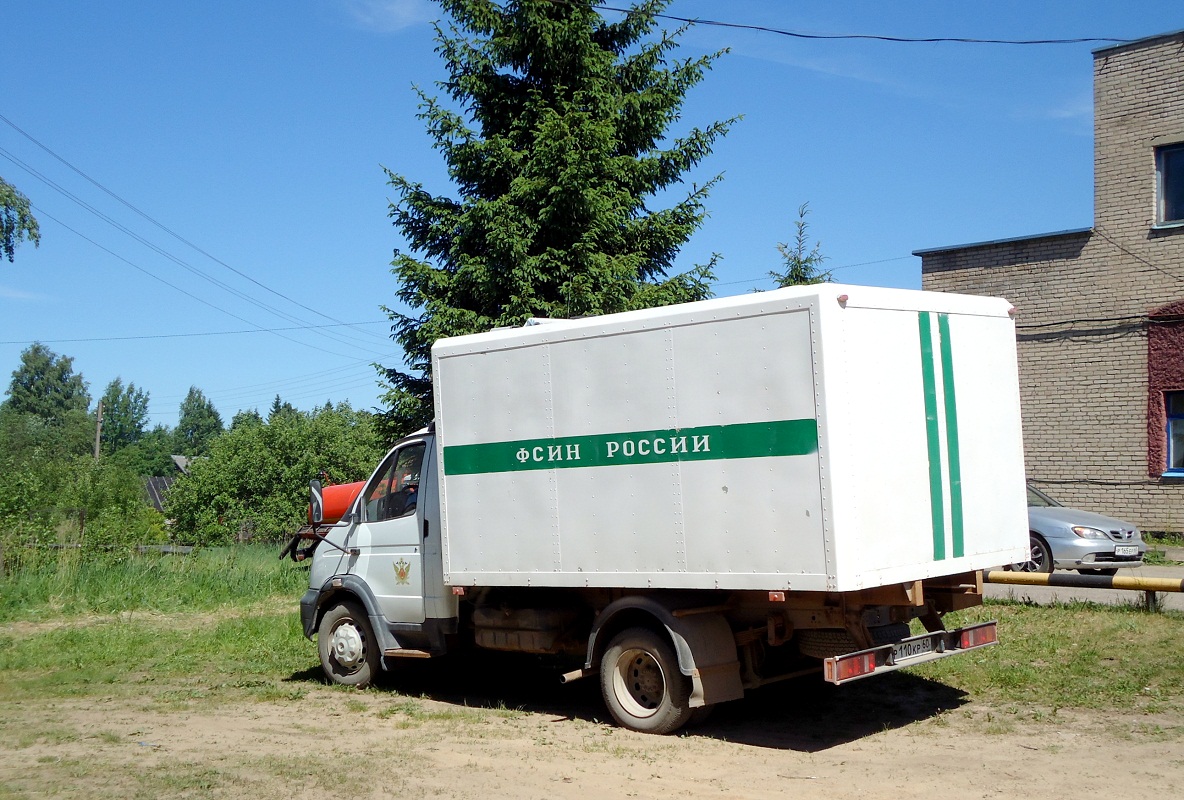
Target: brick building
(1101,310)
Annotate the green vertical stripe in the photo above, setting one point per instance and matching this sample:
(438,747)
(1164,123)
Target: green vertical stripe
(937,503)
(952,451)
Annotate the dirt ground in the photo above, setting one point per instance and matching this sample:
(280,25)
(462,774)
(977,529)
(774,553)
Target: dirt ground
(512,733)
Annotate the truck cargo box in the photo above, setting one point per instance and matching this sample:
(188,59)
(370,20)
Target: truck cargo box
(819,438)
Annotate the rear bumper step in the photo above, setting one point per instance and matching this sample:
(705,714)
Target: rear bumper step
(909,652)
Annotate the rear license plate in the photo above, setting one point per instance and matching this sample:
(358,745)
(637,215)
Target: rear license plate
(1126,550)
(903,651)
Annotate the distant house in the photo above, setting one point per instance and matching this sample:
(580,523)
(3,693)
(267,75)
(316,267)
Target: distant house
(1101,309)
(156,487)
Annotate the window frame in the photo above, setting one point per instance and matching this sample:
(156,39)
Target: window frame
(1172,421)
(1162,152)
(393,484)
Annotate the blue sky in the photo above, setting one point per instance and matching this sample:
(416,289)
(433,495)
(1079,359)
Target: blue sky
(231,161)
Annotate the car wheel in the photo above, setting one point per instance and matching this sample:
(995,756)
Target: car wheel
(1040,559)
(347,647)
(641,683)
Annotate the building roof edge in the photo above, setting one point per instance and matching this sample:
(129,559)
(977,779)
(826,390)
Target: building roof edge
(1071,232)
(1142,41)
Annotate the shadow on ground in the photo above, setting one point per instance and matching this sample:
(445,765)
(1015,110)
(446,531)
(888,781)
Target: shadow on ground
(805,715)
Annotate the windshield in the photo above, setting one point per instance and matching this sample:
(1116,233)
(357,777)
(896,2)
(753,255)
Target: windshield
(1040,499)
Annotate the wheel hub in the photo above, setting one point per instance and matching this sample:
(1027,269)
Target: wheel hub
(347,646)
(639,682)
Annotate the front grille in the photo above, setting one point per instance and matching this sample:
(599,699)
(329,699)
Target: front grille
(1121,536)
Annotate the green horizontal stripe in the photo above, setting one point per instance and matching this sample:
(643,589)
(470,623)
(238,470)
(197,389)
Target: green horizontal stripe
(791,437)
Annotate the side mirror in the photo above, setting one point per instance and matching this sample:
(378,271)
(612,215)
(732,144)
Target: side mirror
(316,502)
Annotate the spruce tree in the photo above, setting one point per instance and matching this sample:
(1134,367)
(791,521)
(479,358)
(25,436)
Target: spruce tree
(801,267)
(558,143)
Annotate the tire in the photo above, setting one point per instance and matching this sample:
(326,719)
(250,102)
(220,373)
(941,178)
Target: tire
(641,684)
(349,652)
(1041,557)
(1107,571)
(827,642)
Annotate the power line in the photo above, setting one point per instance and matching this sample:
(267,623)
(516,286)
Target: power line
(306,391)
(832,269)
(1141,259)
(293,389)
(863,36)
(160,225)
(160,251)
(1084,321)
(274,385)
(113,254)
(191,335)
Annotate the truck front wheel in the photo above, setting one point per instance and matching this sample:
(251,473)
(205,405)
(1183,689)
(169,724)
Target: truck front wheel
(641,684)
(348,650)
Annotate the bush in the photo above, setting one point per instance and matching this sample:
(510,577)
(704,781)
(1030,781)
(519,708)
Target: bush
(254,483)
(74,502)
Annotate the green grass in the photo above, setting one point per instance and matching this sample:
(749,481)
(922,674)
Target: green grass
(241,655)
(1156,558)
(1164,539)
(223,624)
(156,638)
(218,622)
(1072,655)
(67,583)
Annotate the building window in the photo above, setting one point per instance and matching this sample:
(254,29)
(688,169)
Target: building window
(1169,168)
(1174,405)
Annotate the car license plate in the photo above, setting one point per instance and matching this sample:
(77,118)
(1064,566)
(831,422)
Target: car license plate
(911,648)
(1126,550)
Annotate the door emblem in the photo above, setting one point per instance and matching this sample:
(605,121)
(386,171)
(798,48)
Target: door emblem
(402,570)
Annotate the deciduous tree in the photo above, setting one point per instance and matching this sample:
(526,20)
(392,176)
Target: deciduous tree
(125,415)
(198,424)
(46,385)
(17,222)
(256,476)
(151,454)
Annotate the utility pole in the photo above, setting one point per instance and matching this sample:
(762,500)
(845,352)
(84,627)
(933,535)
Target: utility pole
(99,429)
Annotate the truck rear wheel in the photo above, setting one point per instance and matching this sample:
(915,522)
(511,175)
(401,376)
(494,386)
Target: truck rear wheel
(641,683)
(348,650)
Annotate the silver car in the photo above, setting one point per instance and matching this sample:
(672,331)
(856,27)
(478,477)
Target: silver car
(1067,538)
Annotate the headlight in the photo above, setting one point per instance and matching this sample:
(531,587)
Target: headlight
(1087,533)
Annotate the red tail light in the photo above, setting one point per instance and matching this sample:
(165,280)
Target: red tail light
(978,636)
(848,667)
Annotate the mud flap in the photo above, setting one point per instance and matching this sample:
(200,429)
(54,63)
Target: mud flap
(706,651)
(703,642)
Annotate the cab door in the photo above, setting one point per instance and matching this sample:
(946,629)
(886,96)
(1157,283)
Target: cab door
(388,533)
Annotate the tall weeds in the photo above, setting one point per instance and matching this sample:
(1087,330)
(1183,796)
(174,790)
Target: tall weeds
(74,581)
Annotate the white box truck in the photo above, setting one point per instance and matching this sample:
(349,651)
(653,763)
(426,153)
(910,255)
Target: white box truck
(691,501)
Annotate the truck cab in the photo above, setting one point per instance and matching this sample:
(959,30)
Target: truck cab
(376,579)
